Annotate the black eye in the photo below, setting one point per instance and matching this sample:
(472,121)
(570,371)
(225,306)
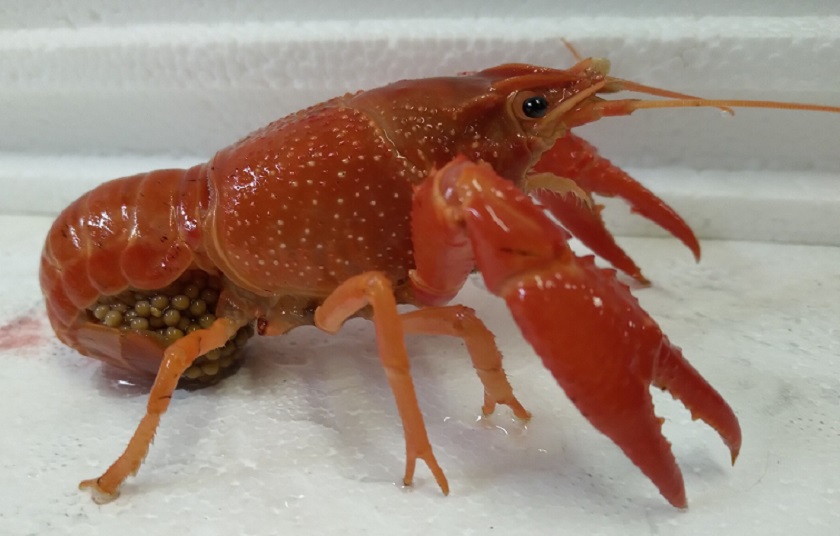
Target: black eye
(535,107)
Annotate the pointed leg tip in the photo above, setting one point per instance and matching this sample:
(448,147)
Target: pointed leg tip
(440,478)
(98,494)
(434,467)
(519,410)
(521,413)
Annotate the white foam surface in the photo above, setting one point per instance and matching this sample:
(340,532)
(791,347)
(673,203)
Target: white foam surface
(305,438)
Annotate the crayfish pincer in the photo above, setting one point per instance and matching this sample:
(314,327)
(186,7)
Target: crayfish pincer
(385,197)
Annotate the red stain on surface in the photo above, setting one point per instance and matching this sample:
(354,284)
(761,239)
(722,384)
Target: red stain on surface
(22,332)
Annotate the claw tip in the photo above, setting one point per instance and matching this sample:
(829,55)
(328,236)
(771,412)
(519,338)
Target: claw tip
(680,501)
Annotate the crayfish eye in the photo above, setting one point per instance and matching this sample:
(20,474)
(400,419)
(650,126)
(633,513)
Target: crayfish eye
(535,107)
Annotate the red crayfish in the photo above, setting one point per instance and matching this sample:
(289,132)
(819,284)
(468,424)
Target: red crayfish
(384,197)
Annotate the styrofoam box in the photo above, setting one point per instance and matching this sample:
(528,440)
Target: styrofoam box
(306,438)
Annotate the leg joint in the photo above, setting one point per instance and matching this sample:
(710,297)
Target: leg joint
(464,320)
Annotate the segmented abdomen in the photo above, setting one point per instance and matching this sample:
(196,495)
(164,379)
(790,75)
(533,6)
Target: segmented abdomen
(137,232)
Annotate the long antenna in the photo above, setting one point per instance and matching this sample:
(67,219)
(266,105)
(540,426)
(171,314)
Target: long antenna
(723,103)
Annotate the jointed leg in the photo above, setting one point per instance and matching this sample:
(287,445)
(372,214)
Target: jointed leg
(177,358)
(460,321)
(374,289)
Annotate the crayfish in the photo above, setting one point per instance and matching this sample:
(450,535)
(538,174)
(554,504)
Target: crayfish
(383,197)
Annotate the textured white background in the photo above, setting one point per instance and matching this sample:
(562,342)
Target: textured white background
(305,438)
(93,90)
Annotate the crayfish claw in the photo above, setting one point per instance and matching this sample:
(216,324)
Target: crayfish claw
(676,375)
(576,158)
(606,353)
(603,349)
